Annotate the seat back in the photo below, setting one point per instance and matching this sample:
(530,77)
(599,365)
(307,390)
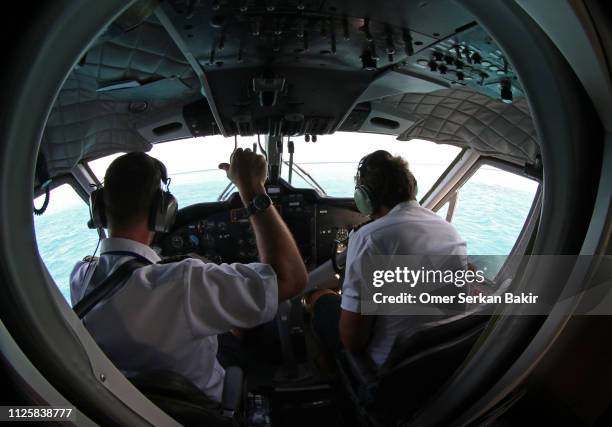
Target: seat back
(421,361)
(428,335)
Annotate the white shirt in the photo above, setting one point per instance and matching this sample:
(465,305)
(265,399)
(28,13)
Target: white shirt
(408,229)
(167,316)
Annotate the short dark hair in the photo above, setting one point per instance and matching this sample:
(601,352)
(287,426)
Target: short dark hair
(387,177)
(130,184)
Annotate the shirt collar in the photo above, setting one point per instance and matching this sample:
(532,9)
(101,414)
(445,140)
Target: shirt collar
(404,205)
(117,244)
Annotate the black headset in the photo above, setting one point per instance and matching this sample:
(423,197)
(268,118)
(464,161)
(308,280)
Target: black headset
(365,197)
(161,215)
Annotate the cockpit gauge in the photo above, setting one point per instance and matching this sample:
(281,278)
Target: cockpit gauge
(194,240)
(239,215)
(177,241)
(204,226)
(342,235)
(340,241)
(222,227)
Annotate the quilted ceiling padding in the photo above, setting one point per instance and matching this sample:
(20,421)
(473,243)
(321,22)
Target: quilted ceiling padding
(85,123)
(145,54)
(468,118)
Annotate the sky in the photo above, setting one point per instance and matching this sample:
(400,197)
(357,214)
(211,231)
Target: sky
(427,159)
(206,153)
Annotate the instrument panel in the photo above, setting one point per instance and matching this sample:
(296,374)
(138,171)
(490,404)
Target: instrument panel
(222,233)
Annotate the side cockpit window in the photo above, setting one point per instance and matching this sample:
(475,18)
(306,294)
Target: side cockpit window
(489,211)
(62,234)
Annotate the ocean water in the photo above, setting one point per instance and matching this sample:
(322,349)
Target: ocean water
(489,214)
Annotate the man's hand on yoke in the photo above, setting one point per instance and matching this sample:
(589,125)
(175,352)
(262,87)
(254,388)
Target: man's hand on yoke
(248,171)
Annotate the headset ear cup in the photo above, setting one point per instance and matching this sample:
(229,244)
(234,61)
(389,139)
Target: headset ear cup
(363,200)
(97,209)
(154,214)
(170,211)
(163,212)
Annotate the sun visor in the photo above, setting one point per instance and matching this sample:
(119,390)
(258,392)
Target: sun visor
(81,125)
(118,86)
(468,118)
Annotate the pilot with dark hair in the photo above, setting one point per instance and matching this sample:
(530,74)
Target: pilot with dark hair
(385,190)
(166,317)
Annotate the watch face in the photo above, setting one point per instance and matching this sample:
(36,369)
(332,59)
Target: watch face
(261,202)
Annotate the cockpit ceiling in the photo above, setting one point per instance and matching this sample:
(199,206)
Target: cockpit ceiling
(289,68)
(463,117)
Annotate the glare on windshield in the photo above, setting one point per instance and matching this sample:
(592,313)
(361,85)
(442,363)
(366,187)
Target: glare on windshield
(330,162)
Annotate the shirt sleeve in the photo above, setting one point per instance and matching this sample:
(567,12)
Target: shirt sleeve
(359,255)
(220,297)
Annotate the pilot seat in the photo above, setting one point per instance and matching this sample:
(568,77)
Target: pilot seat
(421,360)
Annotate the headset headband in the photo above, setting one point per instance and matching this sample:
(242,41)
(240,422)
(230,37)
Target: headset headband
(367,162)
(163,172)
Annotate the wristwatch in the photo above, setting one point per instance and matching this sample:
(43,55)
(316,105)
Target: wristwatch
(260,203)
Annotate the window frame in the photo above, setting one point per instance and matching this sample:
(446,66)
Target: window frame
(482,161)
(71,180)
(58,181)
(444,175)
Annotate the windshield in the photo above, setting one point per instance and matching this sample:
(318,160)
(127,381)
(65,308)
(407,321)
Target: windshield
(331,162)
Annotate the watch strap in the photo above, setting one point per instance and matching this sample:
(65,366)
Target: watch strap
(252,207)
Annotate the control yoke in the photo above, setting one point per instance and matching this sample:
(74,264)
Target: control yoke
(274,148)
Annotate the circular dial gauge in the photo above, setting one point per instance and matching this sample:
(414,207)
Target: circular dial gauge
(177,241)
(342,235)
(194,240)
